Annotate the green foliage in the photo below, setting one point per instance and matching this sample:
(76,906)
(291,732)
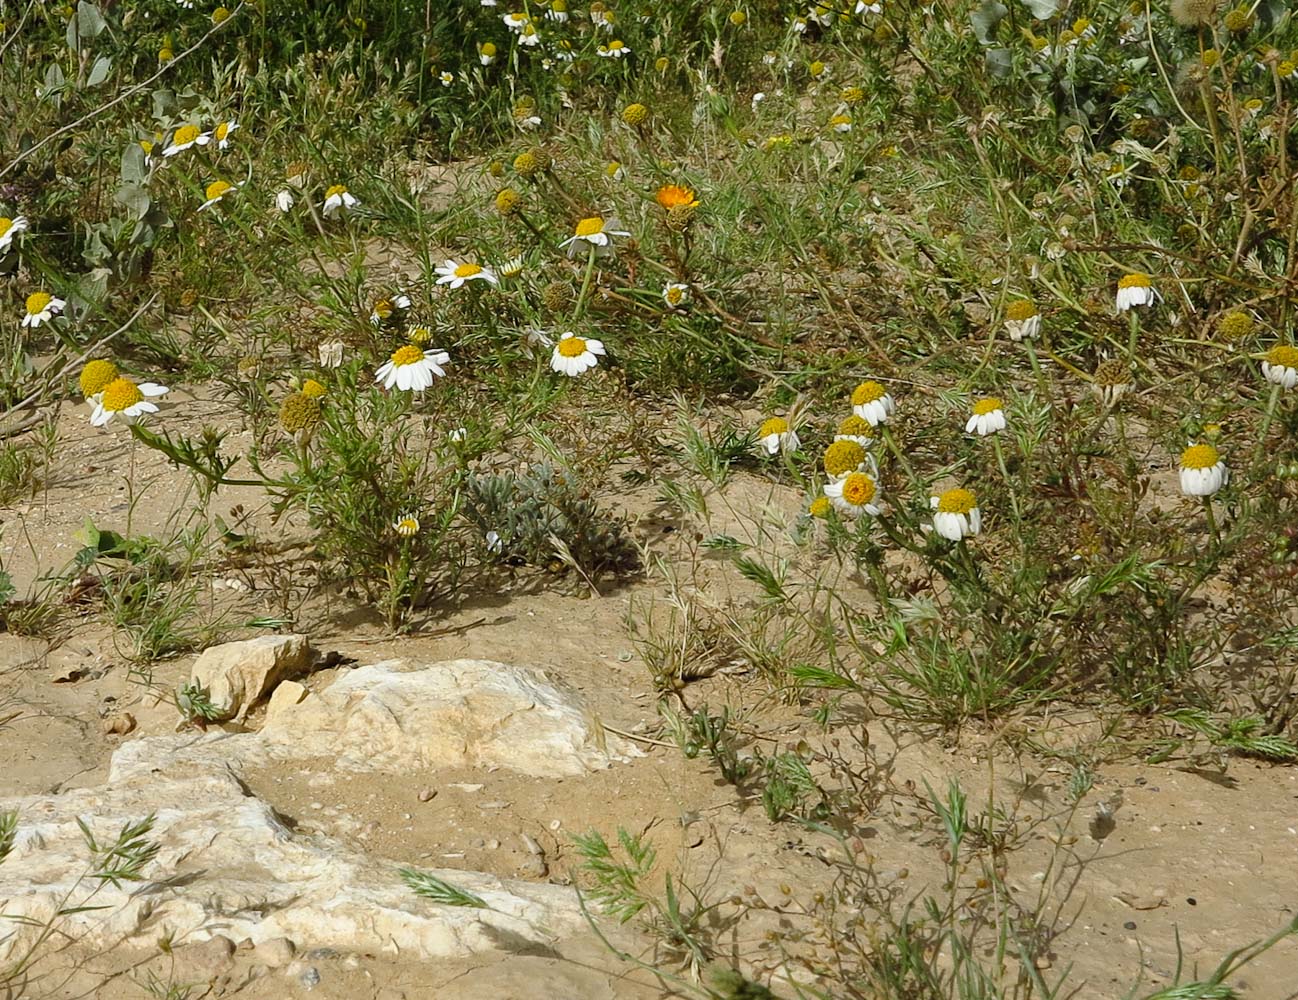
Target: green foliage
(429,886)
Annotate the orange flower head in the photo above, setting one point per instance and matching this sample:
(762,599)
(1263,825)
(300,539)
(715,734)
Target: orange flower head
(671,195)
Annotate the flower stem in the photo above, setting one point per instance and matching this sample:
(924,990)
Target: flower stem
(899,454)
(1009,483)
(585,283)
(1212,523)
(1133,335)
(1271,404)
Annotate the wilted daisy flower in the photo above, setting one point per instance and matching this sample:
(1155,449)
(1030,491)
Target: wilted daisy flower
(411,368)
(864,7)
(9,230)
(300,414)
(635,115)
(407,525)
(988,417)
(1022,321)
(841,123)
(41,308)
(512,268)
(956,514)
(385,309)
(595,230)
(558,11)
(1112,379)
(1236,324)
(338,199)
(1203,472)
(615,49)
(96,376)
(856,429)
(1135,290)
(601,16)
(775,435)
(528,36)
(842,457)
(222,133)
(573,355)
(215,192)
(854,494)
(184,137)
(284,200)
(614,171)
(676,294)
(487,53)
(871,402)
(455,275)
(123,398)
(495,544)
(1281,365)
(330,353)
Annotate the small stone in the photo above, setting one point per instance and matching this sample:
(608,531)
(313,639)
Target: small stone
(1130,925)
(493,844)
(555,824)
(205,960)
(496,804)
(119,725)
(466,786)
(321,954)
(477,842)
(427,795)
(310,979)
(534,866)
(275,952)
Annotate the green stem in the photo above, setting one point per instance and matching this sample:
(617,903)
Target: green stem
(1133,335)
(898,454)
(1036,368)
(1212,523)
(1271,404)
(1005,472)
(585,283)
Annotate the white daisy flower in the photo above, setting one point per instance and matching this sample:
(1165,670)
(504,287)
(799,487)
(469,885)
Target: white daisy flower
(411,368)
(1281,366)
(455,275)
(822,15)
(446,77)
(495,544)
(988,417)
(856,429)
(862,7)
(284,200)
(385,308)
(528,38)
(1135,290)
(956,515)
(595,230)
(872,403)
(407,525)
(775,435)
(41,308)
(1203,472)
(676,294)
(558,11)
(841,123)
(487,53)
(215,192)
(222,133)
(800,25)
(573,355)
(854,494)
(516,21)
(458,434)
(615,49)
(184,137)
(1022,321)
(9,230)
(338,199)
(512,268)
(123,398)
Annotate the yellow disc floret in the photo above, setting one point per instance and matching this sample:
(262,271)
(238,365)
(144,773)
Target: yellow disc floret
(38,302)
(572,347)
(635,114)
(989,405)
(590,226)
(774,425)
(868,392)
(120,394)
(217,190)
(820,507)
(96,376)
(1282,356)
(299,412)
(957,501)
(336,191)
(855,426)
(1020,310)
(508,201)
(1136,280)
(467,270)
(671,195)
(843,456)
(858,489)
(312,389)
(184,134)
(407,354)
(1199,456)
(1235,324)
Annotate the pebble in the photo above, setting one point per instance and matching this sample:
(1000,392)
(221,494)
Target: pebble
(310,979)
(119,725)
(496,804)
(427,795)
(275,952)
(205,960)
(465,786)
(555,824)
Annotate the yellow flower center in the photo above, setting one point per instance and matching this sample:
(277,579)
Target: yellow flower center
(488,49)
(1283,356)
(5,224)
(220,14)
(985,406)
(855,426)
(675,294)
(335,191)
(1021,310)
(312,389)
(590,226)
(383,308)
(615,46)
(38,302)
(843,456)
(840,120)
(1199,456)
(1081,24)
(467,270)
(572,347)
(1137,280)
(222,131)
(858,489)
(868,392)
(96,375)
(819,507)
(775,425)
(120,394)
(817,68)
(957,502)
(407,355)
(147,147)
(420,335)
(217,189)
(185,134)
(407,526)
